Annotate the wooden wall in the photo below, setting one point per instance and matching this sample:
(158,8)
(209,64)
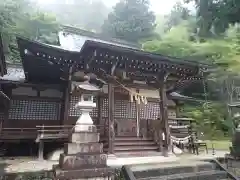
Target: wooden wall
(29,108)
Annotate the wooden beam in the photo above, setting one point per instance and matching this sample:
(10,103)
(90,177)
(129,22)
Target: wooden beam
(111,131)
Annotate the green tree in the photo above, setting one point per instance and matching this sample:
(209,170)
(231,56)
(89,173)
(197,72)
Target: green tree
(39,26)
(221,84)
(131,20)
(19,17)
(177,15)
(214,17)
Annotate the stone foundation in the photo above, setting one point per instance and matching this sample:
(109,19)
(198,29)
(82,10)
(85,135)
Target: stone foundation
(83,157)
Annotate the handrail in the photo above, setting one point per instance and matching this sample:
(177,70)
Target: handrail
(57,130)
(51,130)
(19,128)
(54,126)
(231,175)
(127,173)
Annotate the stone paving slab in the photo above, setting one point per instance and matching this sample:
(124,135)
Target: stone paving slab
(27,164)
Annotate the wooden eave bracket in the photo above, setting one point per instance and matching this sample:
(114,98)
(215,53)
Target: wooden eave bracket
(4,95)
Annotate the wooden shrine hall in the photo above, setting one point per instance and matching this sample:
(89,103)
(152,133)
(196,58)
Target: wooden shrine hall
(135,103)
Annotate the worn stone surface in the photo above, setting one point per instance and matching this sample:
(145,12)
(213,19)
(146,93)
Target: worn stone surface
(82,173)
(84,137)
(75,148)
(82,161)
(86,128)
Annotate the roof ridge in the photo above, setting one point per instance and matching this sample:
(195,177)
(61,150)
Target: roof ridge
(100,36)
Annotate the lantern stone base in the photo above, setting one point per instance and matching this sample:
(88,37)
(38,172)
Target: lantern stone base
(83,158)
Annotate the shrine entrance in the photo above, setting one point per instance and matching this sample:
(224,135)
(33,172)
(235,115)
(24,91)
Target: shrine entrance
(133,118)
(125,114)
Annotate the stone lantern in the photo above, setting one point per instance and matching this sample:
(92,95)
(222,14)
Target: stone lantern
(85,106)
(83,156)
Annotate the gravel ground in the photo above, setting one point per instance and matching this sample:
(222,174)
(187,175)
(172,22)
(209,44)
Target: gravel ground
(23,164)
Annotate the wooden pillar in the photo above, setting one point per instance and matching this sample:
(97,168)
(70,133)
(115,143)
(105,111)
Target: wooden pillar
(111,133)
(5,122)
(164,114)
(138,118)
(67,97)
(177,108)
(66,102)
(99,107)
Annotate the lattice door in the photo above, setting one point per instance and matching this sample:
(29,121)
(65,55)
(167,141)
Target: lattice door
(34,110)
(125,117)
(151,110)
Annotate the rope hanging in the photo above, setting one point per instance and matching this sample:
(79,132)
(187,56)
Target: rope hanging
(179,127)
(184,140)
(134,95)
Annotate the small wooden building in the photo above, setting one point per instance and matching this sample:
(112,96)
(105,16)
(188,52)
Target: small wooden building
(43,95)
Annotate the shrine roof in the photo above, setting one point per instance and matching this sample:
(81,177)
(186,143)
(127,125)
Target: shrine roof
(138,52)
(234,104)
(40,69)
(178,96)
(73,38)
(48,62)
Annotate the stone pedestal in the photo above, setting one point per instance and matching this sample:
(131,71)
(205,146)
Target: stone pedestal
(83,157)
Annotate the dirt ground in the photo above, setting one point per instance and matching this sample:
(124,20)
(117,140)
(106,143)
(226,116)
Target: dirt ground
(24,164)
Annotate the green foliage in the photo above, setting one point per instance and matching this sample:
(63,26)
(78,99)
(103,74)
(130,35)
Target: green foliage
(19,17)
(214,17)
(223,52)
(208,119)
(131,20)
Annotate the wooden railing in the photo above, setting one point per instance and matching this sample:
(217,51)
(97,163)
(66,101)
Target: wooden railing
(58,132)
(18,133)
(41,132)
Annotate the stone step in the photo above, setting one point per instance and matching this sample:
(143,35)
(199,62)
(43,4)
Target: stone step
(134,143)
(156,170)
(135,148)
(127,138)
(138,153)
(133,138)
(203,175)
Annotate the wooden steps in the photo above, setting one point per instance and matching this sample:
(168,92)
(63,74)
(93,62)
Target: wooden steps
(132,144)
